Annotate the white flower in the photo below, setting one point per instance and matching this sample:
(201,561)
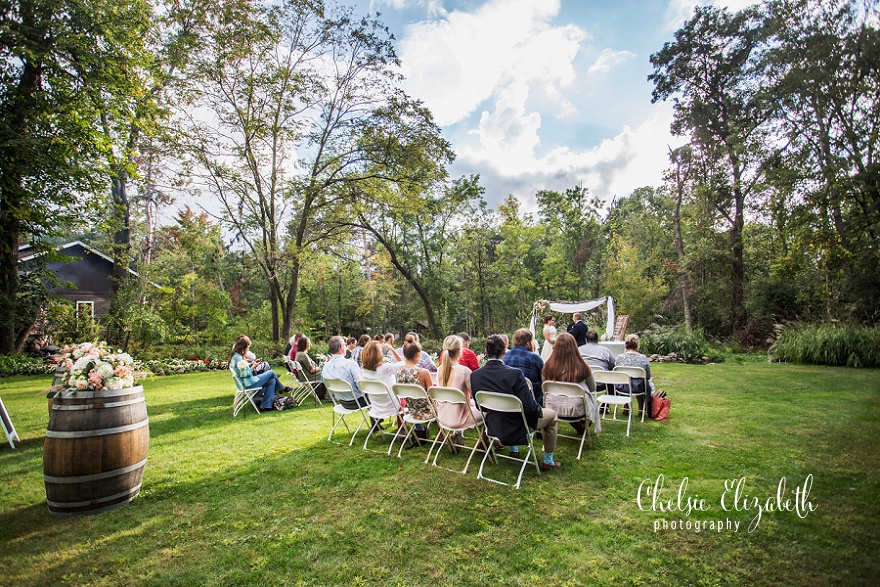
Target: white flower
(81,383)
(242,365)
(114,383)
(125,358)
(81,363)
(105,370)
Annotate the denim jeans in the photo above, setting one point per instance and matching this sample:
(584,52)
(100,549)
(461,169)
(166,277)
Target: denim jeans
(270,383)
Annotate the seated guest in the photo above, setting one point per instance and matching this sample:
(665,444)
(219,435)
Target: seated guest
(375,368)
(350,345)
(631,357)
(412,373)
(268,381)
(596,355)
(312,370)
(257,365)
(567,366)
(468,358)
(356,353)
(338,367)
(425,361)
(291,348)
(389,340)
(526,360)
(454,374)
(498,377)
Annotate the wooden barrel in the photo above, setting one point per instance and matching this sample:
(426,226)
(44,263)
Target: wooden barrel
(95,450)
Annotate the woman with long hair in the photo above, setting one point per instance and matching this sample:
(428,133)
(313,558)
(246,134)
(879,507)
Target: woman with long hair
(567,365)
(453,374)
(268,381)
(375,368)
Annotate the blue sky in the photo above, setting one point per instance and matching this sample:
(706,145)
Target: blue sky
(542,94)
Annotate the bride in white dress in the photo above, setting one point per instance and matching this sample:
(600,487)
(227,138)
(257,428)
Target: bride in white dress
(549,336)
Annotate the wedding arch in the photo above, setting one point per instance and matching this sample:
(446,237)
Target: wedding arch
(542,306)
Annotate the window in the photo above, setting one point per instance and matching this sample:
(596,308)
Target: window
(85,309)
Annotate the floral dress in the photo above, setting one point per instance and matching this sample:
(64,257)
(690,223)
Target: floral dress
(418,408)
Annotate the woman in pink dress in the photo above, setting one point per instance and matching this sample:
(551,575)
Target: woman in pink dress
(453,374)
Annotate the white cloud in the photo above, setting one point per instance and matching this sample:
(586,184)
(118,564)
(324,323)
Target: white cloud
(633,158)
(456,63)
(432,7)
(680,11)
(608,59)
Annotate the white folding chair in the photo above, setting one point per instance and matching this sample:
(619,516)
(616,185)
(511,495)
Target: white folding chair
(531,387)
(339,391)
(618,393)
(305,387)
(575,396)
(636,373)
(383,404)
(509,404)
(243,395)
(452,396)
(411,391)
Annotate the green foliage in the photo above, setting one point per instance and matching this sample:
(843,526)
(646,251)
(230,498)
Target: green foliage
(69,327)
(664,340)
(24,365)
(819,344)
(179,366)
(562,529)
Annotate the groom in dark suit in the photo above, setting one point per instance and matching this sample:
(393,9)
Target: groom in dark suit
(498,377)
(578,330)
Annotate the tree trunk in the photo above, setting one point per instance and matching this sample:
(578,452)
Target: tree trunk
(8,273)
(287,321)
(683,281)
(423,295)
(121,254)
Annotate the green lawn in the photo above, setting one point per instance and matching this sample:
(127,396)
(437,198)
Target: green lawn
(266,500)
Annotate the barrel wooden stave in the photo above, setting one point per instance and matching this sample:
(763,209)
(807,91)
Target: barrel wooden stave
(95,451)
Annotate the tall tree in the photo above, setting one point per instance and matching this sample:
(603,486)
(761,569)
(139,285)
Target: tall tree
(307,110)
(712,72)
(58,57)
(824,70)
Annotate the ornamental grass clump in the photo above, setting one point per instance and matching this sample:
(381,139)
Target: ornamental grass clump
(823,344)
(690,345)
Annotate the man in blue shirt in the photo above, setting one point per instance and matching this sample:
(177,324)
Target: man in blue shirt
(529,362)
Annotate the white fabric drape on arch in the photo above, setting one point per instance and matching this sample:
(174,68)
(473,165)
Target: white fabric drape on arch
(572,307)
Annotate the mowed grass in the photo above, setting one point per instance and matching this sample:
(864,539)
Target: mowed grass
(266,500)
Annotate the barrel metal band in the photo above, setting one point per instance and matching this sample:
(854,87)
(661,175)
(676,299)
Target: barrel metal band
(101,432)
(106,393)
(79,504)
(94,476)
(74,407)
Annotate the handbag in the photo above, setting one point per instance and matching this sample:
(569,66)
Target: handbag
(660,405)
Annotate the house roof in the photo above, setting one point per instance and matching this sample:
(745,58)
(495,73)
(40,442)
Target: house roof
(27,256)
(26,253)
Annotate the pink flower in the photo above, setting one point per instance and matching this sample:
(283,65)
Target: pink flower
(95,379)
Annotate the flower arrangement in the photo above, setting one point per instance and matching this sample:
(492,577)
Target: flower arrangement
(94,366)
(541,306)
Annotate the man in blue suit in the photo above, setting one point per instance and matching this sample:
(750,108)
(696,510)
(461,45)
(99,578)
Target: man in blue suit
(578,329)
(498,377)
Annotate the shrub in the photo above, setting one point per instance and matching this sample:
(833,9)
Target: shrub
(173,366)
(822,344)
(665,340)
(24,365)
